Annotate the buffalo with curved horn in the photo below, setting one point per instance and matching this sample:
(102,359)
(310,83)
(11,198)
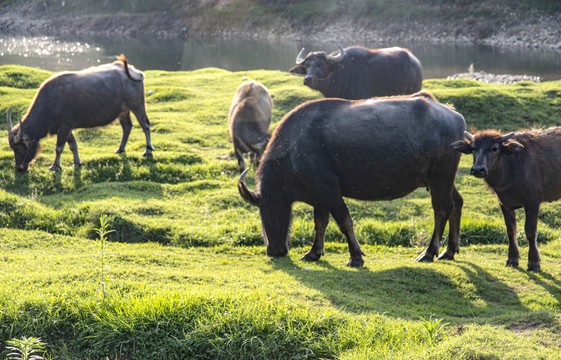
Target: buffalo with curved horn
(390,147)
(360,73)
(84,99)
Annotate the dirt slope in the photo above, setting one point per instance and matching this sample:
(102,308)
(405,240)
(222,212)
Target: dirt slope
(428,20)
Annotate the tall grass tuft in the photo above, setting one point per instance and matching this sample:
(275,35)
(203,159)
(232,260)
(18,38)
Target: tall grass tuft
(25,349)
(102,231)
(434,330)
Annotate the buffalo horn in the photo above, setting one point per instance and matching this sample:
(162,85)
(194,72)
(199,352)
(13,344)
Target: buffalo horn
(19,134)
(507,136)
(468,135)
(245,193)
(338,57)
(300,57)
(9,117)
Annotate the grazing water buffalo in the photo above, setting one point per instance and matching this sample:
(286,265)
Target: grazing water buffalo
(376,149)
(523,169)
(83,99)
(249,120)
(360,73)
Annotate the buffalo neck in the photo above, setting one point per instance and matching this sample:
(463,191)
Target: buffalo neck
(505,173)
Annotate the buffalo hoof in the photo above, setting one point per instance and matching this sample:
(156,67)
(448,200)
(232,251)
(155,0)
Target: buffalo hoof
(310,257)
(55,168)
(148,153)
(425,258)
(355,263)
(534,268)
(118,151)
(511,264)
(446,256)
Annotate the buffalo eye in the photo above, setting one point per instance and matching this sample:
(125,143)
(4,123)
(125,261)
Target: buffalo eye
(495,148)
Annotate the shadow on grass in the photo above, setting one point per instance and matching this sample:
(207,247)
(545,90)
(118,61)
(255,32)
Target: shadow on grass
(410,291)
(77,177)
(20,183)
(547,281)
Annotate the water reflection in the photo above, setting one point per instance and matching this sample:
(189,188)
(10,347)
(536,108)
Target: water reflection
(439,61)
(47,52)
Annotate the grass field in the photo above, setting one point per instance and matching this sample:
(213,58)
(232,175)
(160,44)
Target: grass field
(185,273)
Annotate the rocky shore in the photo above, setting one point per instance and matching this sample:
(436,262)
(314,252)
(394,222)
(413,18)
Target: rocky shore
(494,78)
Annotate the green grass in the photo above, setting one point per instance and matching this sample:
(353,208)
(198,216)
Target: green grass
(186,273)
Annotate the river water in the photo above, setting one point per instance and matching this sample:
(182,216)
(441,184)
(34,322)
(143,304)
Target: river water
(439,60)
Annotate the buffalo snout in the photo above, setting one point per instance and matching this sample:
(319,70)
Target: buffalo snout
(479,171)
(308,80)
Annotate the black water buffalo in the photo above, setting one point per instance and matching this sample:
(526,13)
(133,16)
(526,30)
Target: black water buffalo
(523,169)
(249,120)
(376,149)
(360,73)
(84,99)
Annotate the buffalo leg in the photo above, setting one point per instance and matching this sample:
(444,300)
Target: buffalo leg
(126,124)
(453,227)
(252,157)
(73,145)
(329,193)
(239,155)
(256,152)
(531,228)
(321,219)
(144,122)
(62,137)
(442,205)
(341,215)
(510,221)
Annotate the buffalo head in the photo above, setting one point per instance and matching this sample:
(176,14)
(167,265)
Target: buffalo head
(317,67)
(275,217)
(487,147)
(24,149)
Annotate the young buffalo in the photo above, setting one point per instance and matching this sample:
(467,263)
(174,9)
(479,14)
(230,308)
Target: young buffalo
(523,169)
(249,120)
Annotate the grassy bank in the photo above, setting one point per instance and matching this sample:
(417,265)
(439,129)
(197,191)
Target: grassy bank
(187,274)
(186,196)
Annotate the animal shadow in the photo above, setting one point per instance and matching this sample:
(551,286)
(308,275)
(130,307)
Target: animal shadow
(418,291)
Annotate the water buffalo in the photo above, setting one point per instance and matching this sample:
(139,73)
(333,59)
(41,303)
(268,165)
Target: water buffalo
(249,120)
(523,170)
(84,99)
(376,149)
(360,73)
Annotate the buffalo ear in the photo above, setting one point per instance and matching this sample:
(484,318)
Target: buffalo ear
(298,70)
(461,146)
(513,146)
(18,137)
